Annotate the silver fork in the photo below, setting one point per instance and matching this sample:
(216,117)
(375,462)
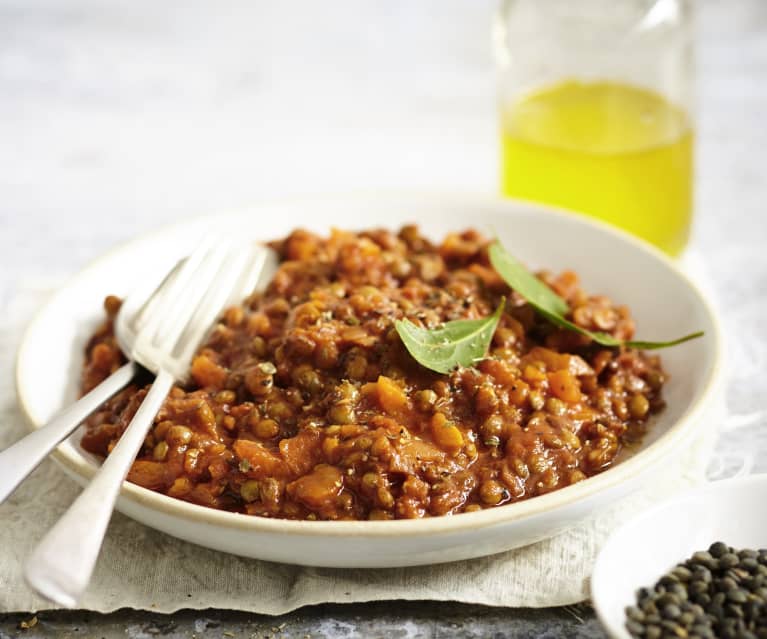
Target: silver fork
(163,337)
(21,458)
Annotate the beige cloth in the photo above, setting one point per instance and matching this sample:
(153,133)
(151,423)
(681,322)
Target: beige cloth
(145,569)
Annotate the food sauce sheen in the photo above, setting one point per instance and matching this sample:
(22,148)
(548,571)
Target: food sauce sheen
(619,153)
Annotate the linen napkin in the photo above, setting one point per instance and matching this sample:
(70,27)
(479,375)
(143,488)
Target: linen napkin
(144,569)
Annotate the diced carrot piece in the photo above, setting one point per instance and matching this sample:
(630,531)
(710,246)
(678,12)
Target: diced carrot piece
(564,386)
(318,489)
(554,361)
(149,474)
(369,390)
(180,488)
(301,452)
(446,434)
(391,397)
(518,392)
(412,454)
(261,462)
(533,374)
(207,374)
(500,371)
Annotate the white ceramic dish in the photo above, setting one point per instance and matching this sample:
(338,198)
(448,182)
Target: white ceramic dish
(664,302)
(641,551)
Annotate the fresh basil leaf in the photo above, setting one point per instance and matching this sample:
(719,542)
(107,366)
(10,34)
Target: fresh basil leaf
(605,339)
(456,343)
(553,307)
(651,346)
(524,282)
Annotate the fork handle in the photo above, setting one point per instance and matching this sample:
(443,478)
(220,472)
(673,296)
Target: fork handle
(20,459)
(61,565)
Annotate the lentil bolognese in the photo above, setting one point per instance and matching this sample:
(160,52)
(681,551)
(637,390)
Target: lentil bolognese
(303,403)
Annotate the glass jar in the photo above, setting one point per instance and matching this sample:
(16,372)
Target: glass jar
(596,110)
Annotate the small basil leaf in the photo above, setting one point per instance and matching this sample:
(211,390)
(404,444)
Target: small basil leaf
(605,339)
(456,343)
(524,282)
(651,346)
(553,307)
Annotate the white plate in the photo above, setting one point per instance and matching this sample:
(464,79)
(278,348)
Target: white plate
(641,551)
(664,302)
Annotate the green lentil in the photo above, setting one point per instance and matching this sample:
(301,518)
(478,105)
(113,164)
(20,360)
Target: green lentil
(716,593)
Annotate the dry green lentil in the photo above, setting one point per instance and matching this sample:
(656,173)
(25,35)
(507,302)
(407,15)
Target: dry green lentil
(716,593)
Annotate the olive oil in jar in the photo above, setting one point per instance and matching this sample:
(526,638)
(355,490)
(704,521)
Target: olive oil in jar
(617,152)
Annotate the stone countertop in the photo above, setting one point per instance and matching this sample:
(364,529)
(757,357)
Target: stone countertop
(117,117)
(379,620)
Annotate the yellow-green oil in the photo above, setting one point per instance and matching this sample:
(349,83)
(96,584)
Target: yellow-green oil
(617,152)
